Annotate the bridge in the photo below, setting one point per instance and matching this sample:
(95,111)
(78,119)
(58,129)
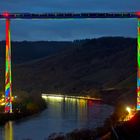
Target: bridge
(16,16)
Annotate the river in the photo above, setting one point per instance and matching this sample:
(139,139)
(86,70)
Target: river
(61,115)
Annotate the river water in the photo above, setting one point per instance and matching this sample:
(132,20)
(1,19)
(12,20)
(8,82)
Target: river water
(61,115)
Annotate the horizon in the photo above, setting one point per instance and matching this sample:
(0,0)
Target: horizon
(125,37)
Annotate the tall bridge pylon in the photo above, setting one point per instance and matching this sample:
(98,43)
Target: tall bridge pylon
(138,66)
(8,80)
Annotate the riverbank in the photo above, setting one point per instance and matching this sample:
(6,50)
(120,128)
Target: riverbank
(84,133)
(60,116)
(119,113)
(80,134)
(5,117)
(23,106)
(90,134)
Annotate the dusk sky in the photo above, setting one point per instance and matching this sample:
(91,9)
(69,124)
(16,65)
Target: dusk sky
(69,29)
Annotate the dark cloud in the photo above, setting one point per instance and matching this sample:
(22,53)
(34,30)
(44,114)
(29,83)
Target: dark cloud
(69,29)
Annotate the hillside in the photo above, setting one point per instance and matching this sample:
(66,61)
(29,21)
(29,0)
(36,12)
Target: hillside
(26,51)
(92,67)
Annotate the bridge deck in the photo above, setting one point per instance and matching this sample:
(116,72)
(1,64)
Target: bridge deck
(69,15)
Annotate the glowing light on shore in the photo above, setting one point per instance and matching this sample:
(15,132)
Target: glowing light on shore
(52,97)
(2,104)
(131,113)
(55,97)
(44,96)
(128,109)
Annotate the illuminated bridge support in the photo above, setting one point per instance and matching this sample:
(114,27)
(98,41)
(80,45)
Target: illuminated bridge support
(138,68)
(8,84)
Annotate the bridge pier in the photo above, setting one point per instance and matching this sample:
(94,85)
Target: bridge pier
(8,80)
(138,66)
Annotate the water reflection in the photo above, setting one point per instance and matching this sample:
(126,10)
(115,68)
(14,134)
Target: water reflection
(8,131)
(69,108)
(62,115)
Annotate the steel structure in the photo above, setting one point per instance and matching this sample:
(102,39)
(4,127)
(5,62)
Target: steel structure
(138,64)
(69,15)
(8,16)
(8,81)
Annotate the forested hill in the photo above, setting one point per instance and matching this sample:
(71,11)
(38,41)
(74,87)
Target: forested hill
(79,67)
(26,51)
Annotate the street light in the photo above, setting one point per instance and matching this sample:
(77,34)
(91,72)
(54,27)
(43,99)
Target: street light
(128,109)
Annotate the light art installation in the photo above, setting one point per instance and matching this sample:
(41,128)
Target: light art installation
(8,78)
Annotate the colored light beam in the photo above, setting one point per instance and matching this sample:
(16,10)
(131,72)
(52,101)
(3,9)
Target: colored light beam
(8,85)
(9,131)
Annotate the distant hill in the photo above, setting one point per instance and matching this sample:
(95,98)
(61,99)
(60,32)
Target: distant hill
(26,51)
(91,66)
